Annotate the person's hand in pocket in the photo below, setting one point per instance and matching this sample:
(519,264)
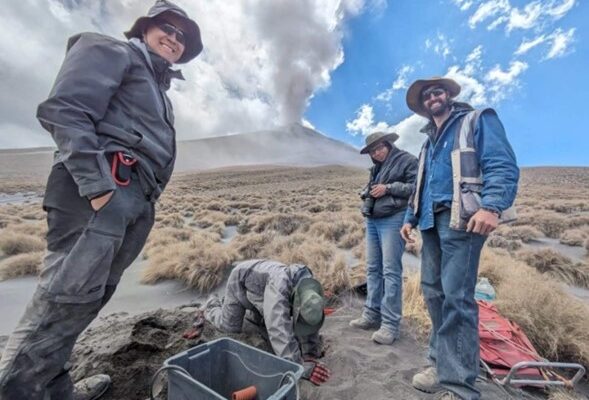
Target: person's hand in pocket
(98,202)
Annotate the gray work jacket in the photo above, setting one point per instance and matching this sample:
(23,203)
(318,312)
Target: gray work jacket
(266,288)
(107,98)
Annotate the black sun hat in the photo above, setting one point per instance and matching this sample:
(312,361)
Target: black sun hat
(193,45)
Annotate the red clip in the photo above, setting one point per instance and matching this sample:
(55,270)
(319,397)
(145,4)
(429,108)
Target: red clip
(124,159)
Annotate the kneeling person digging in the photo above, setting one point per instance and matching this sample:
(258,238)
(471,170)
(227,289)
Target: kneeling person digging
(285,300)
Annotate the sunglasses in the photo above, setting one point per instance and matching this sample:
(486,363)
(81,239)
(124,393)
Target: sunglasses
(436,92)
(170,29)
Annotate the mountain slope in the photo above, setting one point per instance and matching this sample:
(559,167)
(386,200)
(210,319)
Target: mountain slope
(290,145)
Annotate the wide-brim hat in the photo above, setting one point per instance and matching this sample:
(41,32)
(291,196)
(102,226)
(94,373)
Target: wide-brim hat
(376,137)
(307,307)
(414,93)
(193,45)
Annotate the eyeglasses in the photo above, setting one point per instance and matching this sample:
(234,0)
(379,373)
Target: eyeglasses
(170,29)
(436,92)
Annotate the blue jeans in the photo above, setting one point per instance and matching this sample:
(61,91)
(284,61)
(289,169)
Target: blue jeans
(384,271)
(449,267)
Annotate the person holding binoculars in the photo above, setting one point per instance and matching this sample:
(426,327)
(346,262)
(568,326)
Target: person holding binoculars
(385,200)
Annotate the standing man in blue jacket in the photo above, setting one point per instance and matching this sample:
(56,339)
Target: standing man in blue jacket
(113,125)
(467,179)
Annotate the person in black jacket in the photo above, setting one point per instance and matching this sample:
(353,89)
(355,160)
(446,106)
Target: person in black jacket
(385,198)
(113,124)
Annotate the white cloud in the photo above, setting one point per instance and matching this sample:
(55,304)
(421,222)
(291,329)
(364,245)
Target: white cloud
(503,82)
(472,90)
(440,45)
(364,122)
(526,18)
(488,9)
(506,77)
(399,83)
(527,45)
(253,73)
(463,4)
(558,11)
(474,61)
(561,42)
(410,138)
(534,15)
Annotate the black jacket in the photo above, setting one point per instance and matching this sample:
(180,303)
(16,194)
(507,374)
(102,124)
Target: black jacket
(398,173)
(107,97)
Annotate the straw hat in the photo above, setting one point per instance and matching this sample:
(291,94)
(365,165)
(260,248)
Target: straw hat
(377,137)
(414,93)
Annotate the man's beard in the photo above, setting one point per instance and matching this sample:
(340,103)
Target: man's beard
(444,106)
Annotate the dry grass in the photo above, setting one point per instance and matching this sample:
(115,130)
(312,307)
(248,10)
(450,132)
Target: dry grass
(309,215)
(18,243)
(562,394)
(573,237)
(201,264)
(21,265)
(414,308)
(282,224)
(556,323)
(550,262)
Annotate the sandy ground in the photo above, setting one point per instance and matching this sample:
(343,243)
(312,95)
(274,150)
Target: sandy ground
(132,348)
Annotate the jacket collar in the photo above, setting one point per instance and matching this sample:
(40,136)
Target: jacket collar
(458,109)
(160,67)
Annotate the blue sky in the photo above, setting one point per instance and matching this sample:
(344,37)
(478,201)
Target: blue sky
(340,66)
(540,94)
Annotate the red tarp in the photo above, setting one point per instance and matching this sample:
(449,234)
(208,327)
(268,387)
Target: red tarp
(503,344)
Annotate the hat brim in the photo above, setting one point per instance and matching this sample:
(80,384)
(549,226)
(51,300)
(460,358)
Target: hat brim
(390,137)
(302,328)
(193,45)
(414,93)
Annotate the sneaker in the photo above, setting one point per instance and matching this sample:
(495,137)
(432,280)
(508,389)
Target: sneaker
(446,395)
(363,323)
(91,388)
(427,381)
(383,336)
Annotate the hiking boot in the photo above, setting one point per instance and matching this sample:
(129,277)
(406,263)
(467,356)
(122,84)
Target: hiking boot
(363,323)
(383,336)
(446,395)
(91,388)
(427,381)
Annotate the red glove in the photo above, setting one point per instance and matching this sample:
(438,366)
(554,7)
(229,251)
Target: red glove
(315,371)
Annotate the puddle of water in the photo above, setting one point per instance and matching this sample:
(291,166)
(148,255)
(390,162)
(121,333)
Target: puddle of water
(131,296)
(575,253)
(578,292)
(19,198)
(228,234)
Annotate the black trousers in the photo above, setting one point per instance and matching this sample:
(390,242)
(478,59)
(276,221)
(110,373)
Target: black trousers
(87,253)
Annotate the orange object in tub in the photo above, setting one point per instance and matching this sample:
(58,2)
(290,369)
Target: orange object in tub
(249,393)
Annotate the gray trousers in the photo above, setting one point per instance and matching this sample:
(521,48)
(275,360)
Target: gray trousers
(87,252)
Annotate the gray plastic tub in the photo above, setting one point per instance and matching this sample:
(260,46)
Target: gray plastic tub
(222,366)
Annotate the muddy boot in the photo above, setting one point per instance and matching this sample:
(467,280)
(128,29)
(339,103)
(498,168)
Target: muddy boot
(91,388)
(383,336)
(427,381)
(363,323)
